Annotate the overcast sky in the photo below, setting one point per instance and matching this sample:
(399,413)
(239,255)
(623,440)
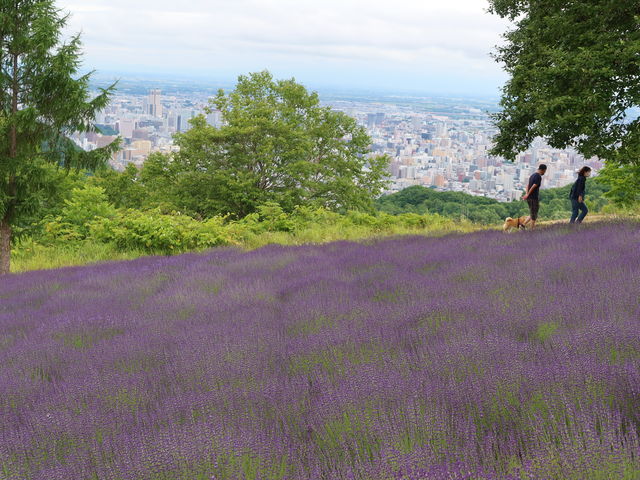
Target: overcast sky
(432,46)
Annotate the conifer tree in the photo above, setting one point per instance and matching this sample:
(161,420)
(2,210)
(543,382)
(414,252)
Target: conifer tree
(43,100)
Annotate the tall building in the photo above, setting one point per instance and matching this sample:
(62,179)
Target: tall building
(182,122)
(126,127)
(152,105)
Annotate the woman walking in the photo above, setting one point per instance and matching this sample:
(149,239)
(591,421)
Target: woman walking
(577,196)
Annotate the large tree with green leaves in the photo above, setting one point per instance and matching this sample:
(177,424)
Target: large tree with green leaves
(575,77)
(276,144)
(43,100)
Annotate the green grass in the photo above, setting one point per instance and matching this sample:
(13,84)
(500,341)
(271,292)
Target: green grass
(327,233)
(545,331)
(86,339)
(32,256)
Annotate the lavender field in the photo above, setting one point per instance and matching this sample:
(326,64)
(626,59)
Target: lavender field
(479,356)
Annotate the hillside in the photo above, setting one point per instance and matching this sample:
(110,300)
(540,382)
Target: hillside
(478,356)
(554,204)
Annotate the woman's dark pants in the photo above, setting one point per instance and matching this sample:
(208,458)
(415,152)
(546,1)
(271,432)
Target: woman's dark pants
(575,206)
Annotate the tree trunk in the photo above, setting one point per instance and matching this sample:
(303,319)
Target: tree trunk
(5,223)
(5,247)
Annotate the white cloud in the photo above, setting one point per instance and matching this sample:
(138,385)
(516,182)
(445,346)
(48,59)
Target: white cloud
(418,37)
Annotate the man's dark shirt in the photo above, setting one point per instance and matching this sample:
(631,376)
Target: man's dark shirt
(578,188)
(535,179)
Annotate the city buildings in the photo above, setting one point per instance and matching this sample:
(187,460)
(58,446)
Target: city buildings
(445,147)
(152,104)
(145,124)
(450,151)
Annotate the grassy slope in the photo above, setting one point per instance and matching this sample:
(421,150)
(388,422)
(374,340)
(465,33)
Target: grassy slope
(31,256)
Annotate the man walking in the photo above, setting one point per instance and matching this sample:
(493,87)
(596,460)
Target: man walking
(532,194)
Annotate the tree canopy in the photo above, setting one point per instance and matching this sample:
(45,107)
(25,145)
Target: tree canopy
(43,100)
(574,69)
(276,144)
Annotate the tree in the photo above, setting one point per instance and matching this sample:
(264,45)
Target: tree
(123,189)
(276,144)
(624,183)
(575,76)
(43,99)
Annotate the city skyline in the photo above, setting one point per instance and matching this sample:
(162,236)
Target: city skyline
(442,144)
(407,46)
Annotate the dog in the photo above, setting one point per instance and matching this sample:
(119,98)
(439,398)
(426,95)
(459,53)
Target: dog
(520,223)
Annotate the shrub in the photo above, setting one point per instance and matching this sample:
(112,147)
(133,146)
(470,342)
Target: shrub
(154,232)
(89,221)
(86,205)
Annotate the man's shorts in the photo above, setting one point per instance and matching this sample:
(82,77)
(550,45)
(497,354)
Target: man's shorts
(534,206)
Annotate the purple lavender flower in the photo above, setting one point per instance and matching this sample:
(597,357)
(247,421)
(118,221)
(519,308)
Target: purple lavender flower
(483,356)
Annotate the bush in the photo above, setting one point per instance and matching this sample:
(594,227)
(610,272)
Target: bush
(154,232)
(89,225)
(85,206)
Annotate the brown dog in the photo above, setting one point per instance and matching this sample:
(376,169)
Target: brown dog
(517,223)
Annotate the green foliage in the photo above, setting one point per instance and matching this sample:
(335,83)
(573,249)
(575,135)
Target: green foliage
(624,181)
(277,145)
(44,99)
(574,76)
(101,232)
(30,254)
(123,189)
(554,204)
(85,205)
(422,200)
(106,130)
(154,232)
(47,199)
(274,219)
(545,331)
